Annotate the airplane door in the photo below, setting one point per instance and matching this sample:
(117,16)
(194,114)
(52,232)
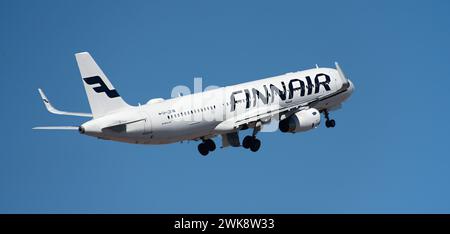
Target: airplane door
(135,128)
(141,127)
(148,126)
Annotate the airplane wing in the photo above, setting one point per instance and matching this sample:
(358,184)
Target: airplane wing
(53,110)
(264,114)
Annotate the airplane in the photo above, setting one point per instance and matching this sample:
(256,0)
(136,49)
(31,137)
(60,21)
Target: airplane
(296,100)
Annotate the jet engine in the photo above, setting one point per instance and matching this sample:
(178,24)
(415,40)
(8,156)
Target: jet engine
(301,121)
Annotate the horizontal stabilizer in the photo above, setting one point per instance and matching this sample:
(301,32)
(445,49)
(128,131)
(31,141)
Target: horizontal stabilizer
(53,110)
(56,128)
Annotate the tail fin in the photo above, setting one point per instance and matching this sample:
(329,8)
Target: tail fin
(102,96)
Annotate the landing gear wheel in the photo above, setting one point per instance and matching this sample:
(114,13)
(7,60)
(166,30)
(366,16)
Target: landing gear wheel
(256,143)
(330,123)
(247,142)
(203,149)
(210,145)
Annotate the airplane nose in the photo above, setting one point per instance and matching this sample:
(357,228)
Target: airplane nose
(81,129)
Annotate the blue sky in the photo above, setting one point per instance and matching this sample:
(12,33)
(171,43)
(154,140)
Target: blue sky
(387,154)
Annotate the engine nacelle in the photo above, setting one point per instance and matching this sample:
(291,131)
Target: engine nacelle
(301,121)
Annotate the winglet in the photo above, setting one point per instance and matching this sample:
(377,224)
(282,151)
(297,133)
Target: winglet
(47,103)
(53,110)
(345,83)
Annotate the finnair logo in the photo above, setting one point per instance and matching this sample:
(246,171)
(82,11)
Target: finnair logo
(305,86)
(102,88)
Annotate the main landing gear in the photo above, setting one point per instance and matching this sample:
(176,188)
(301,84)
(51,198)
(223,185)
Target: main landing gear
(251,142)
(329,123)
(206,146)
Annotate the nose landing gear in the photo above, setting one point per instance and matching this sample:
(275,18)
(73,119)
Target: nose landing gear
(329,123)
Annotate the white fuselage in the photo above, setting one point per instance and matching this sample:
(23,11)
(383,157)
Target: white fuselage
(204,114)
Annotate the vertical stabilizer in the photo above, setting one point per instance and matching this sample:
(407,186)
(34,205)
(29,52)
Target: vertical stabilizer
(102,96)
